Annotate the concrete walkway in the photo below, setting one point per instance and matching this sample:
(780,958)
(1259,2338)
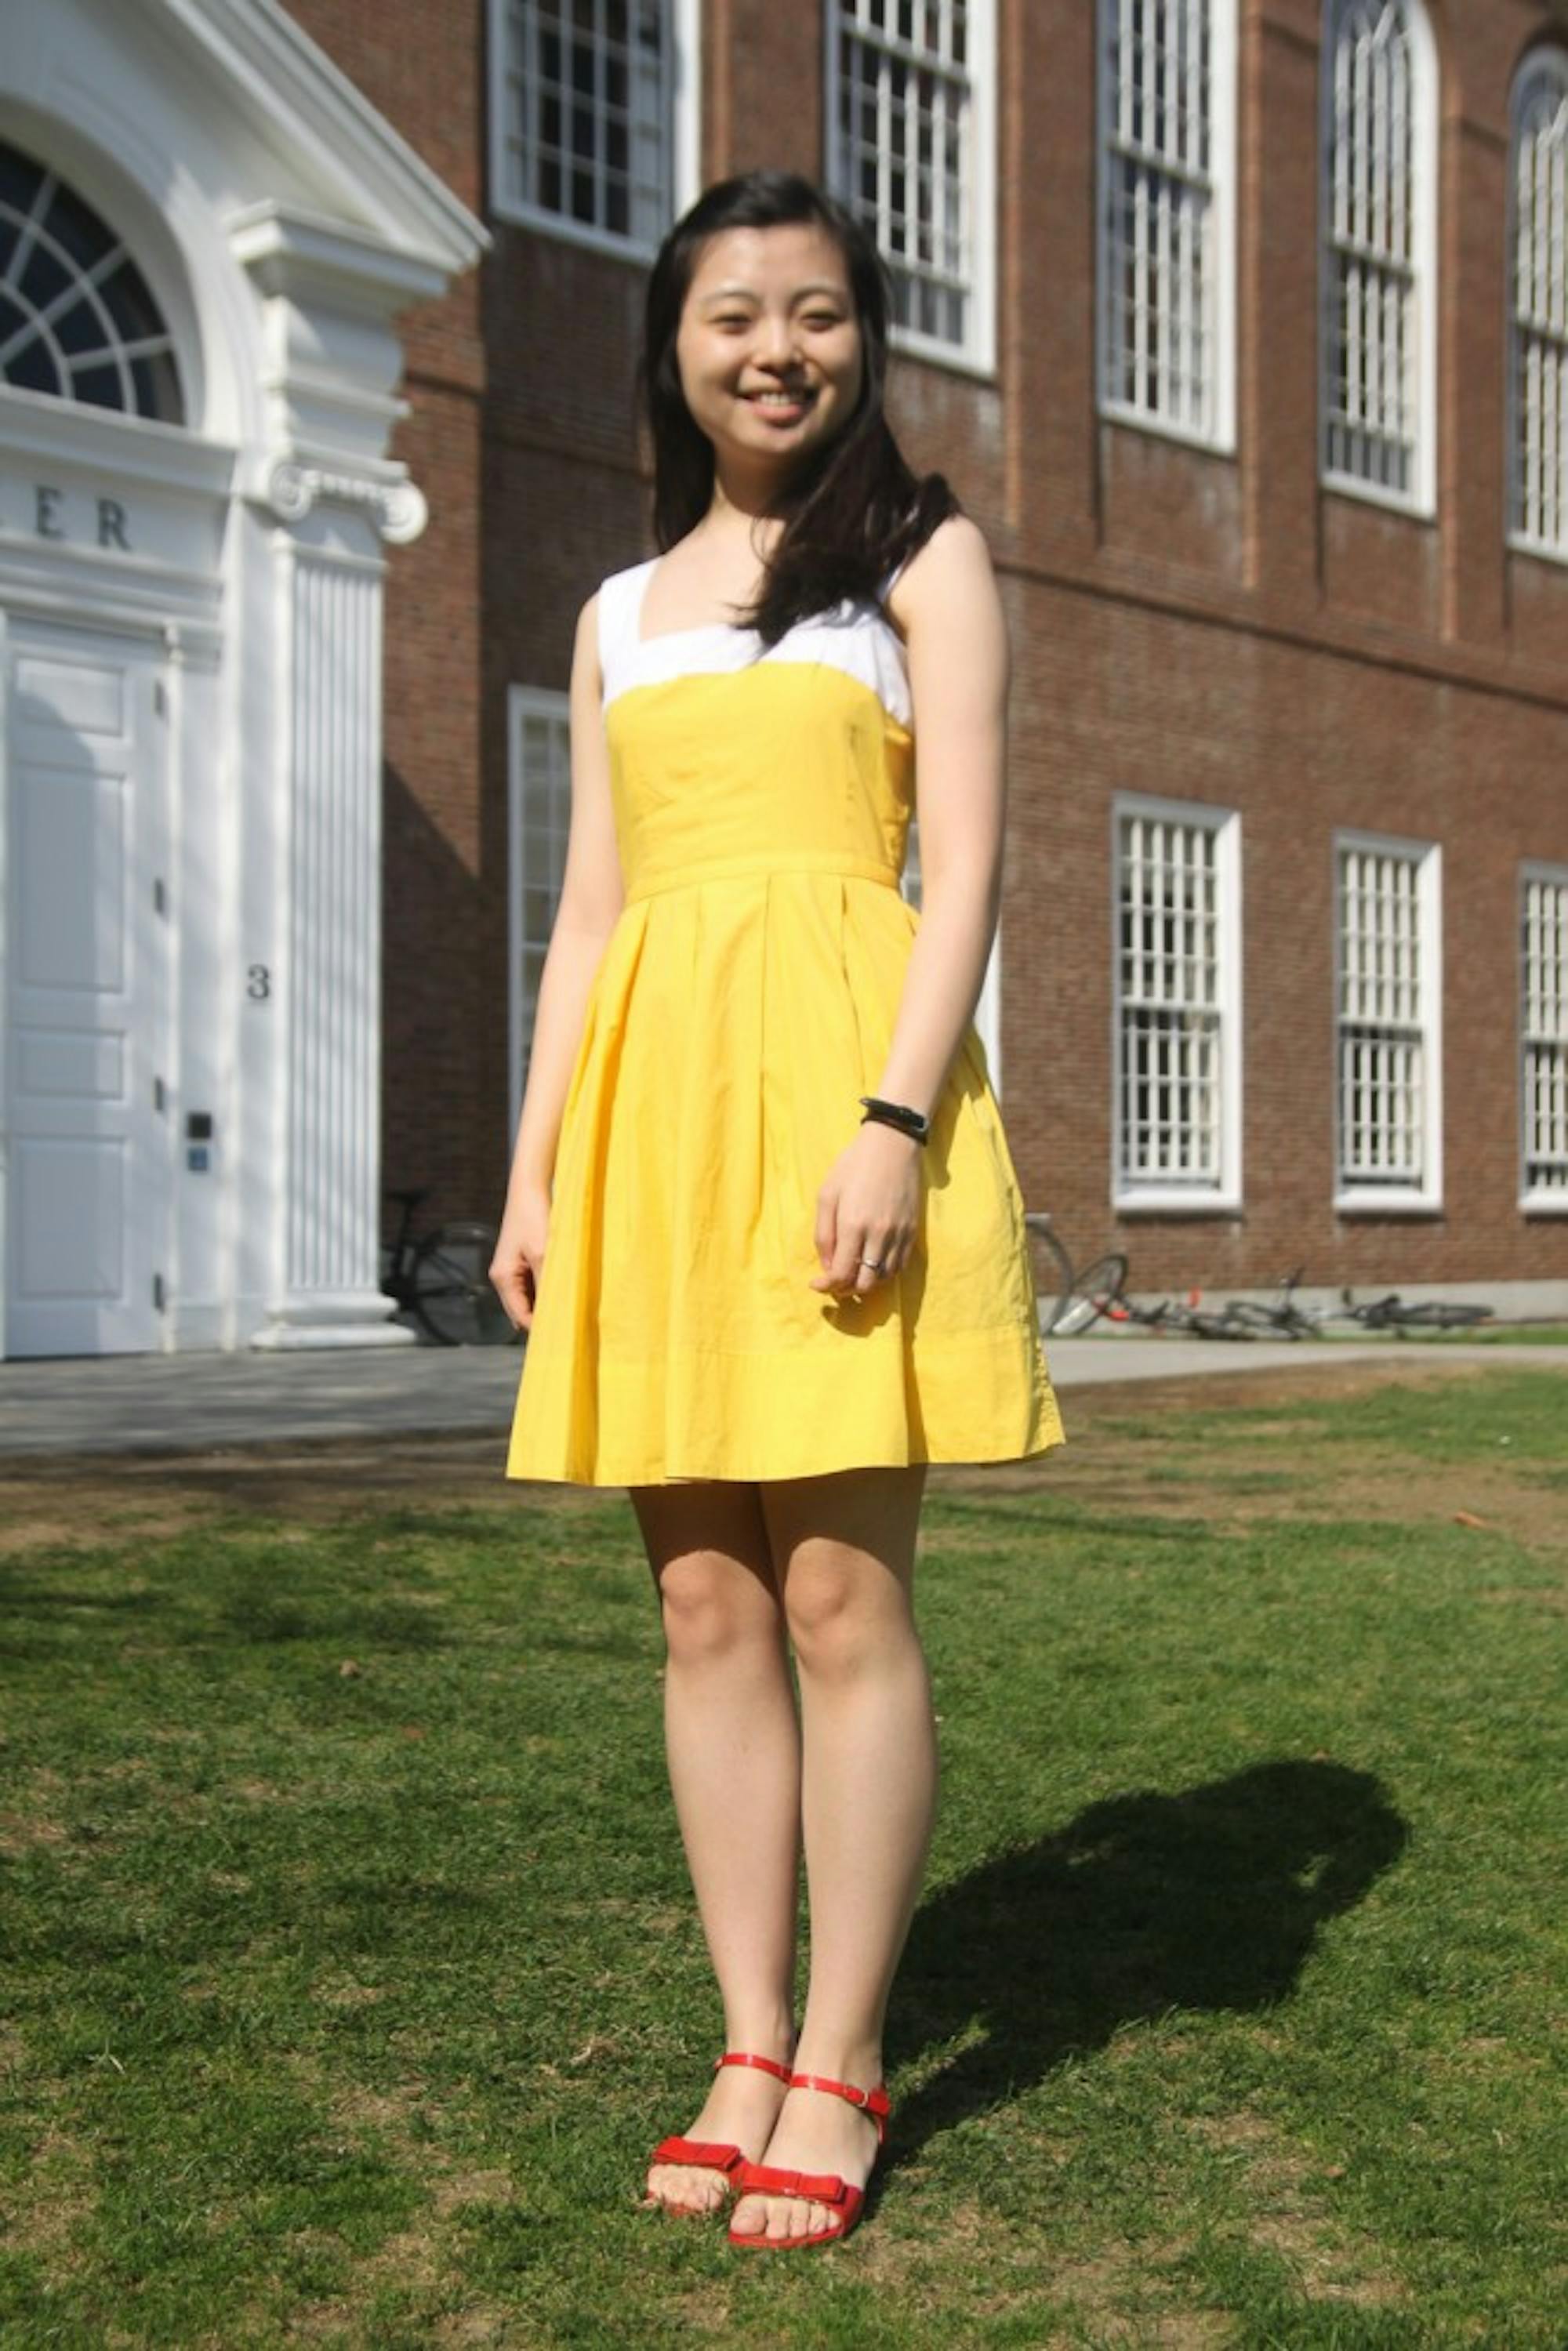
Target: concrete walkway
(191,1403)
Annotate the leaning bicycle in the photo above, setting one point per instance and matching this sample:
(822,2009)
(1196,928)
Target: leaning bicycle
(442,1278)
(1075,1299)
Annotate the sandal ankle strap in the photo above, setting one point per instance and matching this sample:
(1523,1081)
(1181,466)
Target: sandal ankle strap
(744,2057)
(875,2103)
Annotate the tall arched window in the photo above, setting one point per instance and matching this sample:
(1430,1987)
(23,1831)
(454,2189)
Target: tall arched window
(1379,242)
(77,318)
(1538,228)
(1167,75)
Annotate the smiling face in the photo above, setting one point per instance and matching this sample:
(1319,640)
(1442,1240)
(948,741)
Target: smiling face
(769,346)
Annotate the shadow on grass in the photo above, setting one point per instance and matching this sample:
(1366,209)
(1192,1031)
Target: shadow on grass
(1210,1900)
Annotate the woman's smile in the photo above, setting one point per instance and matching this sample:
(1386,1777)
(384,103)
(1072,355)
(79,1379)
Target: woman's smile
(778,405)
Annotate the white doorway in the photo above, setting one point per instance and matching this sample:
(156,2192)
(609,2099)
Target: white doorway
(87,994)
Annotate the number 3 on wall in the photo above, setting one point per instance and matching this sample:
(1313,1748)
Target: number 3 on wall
(258,983)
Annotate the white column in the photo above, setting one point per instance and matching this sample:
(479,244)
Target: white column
(325,1289)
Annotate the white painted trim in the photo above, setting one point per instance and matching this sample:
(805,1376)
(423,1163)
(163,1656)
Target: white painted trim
(286,248)
(1225,132)
(523,701)
(1533,1203)
(1426,161)
(318,109)
(1540,65)
(686,178)
(988,1011)
(1426,1199)
(133,448)
(1225,824)
(980,351)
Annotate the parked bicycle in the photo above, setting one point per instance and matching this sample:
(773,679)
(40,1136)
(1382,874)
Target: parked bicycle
(1284,1317)
(1396,1313)
(1073,1301)
(1073,1297)
(442,1278)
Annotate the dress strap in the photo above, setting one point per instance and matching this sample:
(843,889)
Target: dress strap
(620,618)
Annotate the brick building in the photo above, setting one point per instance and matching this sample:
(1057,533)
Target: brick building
(1241,326)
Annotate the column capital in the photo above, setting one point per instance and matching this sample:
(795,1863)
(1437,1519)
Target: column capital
(396,505)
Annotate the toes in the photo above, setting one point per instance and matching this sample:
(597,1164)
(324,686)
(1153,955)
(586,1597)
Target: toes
(779,2217)
(682,2190)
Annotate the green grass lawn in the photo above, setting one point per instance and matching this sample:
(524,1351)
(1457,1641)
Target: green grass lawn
(351,1970)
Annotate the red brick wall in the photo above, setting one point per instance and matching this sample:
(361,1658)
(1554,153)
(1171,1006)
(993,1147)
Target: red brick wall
(1212,627)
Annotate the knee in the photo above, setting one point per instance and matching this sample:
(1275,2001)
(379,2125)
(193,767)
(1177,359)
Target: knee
(837,1624)
(711,1608)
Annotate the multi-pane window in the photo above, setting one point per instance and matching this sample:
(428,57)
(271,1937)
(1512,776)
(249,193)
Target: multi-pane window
(1167,71)
(910,106)
(76,320)
(1544,1027)
(1387,977)
(1540,360)
(1178,1015)
(540,818)
(1379,249)
(584,116)
(986,1011)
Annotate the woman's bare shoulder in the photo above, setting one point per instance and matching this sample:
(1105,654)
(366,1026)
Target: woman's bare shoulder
(953,565)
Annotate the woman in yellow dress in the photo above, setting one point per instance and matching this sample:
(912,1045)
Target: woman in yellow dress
(763,1229)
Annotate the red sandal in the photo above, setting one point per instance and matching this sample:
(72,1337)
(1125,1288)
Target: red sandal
(710,2156)
(813,2188)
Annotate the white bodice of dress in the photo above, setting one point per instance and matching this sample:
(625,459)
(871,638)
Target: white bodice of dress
(856,637)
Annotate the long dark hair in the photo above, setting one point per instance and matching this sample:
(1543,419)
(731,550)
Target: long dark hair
(858,511)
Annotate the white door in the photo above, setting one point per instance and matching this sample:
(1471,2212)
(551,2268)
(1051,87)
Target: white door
(87,964)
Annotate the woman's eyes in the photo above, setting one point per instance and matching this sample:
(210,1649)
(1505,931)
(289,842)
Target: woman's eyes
(821,319)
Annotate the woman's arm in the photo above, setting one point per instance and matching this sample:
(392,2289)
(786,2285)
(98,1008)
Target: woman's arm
(591,897)
(950,610)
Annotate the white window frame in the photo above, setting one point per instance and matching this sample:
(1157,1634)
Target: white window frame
(683,20)
(1421,499)
(1535,1199)
(988,1009)
(1544,70)
(977,355)
(1426,1197)
(524,703)
(1131,1194)
(1219,434)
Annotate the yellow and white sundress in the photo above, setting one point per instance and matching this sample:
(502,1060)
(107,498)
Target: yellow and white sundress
(746,999)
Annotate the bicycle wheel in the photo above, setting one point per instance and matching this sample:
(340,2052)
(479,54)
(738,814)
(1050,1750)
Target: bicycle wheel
(1223,1325)
(1442,1314)
(1096,1290)
(450,1288)
(1057,1287)
(1267,1321)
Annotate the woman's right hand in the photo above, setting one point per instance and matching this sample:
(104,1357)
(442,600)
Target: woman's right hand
(518,1267)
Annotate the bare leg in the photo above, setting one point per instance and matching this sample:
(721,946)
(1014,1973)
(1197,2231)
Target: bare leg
(843,1549)
(733,1742)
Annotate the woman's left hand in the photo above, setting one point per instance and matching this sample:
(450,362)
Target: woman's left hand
(868,1206)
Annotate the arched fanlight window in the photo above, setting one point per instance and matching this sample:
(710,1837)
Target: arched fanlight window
(1379,249)
(1539,471)
(77,318)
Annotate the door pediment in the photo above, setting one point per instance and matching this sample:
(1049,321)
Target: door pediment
(281,220)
